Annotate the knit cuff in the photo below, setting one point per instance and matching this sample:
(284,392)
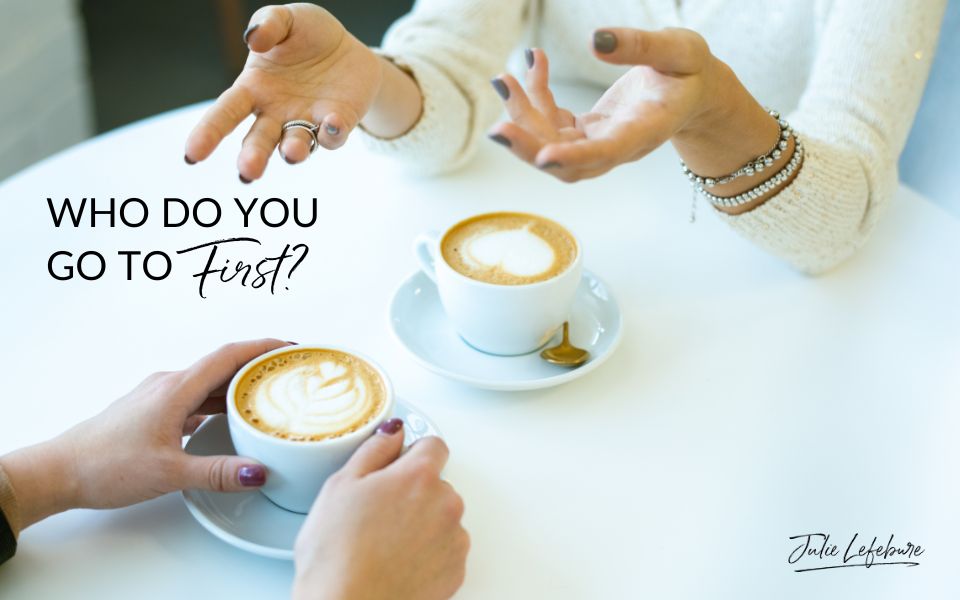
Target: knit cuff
(814,222)
(437,142)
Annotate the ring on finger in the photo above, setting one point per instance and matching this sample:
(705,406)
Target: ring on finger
(308,126)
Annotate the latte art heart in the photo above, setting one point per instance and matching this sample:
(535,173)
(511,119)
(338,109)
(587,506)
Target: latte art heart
(509,248)
(310,394)
(518,252)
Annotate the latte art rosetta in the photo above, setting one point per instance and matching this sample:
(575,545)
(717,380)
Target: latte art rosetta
(310,394)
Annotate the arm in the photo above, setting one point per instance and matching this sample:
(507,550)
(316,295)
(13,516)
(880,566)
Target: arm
(451,48)
(853,118)
(137,440)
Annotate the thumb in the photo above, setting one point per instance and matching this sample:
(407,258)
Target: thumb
(268,27)
(672,50)
(380,450)
(221,473)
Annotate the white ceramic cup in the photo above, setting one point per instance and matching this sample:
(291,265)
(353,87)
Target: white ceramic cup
(296,470)
(506,320)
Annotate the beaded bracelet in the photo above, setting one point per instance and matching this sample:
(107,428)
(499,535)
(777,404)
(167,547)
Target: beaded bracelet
(756,165)
(770,184)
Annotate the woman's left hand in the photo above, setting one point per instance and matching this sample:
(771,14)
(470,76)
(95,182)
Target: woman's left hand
(673,86)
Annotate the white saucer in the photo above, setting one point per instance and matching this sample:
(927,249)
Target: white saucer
(419,323)
(248,520)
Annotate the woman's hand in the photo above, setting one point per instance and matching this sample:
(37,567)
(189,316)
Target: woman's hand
(303,64)
(384,527)
(132,451)
(676,90)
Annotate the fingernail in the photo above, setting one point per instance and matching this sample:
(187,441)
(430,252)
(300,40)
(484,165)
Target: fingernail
(503,141)
(549,165)
(528,54)
(285,159)
(332,130)
(390,427)
(252,475)
(294,343)
(604,42)
(501,88)
(244,179)
(187,160)
(248,31)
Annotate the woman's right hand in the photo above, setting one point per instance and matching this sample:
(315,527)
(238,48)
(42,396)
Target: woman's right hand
(384,527)
(302,64)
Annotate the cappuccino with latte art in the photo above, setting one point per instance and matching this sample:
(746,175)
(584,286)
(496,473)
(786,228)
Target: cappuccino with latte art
(310,394)
(509,248)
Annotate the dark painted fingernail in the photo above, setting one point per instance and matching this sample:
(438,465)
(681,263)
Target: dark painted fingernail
(390,427)
(244,179)
(528,54)
(252,475)
(248,31)
(501,88)
(549,165)
(604,42)
(294,343)
(332,130)
(502,140)
(187,160)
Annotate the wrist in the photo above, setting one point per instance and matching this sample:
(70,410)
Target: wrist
(43,479)
(397,105)
(729,128)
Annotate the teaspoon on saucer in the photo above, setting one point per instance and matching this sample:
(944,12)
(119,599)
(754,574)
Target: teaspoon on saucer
(565,354)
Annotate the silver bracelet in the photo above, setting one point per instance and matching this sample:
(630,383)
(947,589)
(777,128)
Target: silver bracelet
(767,186)
(756,165)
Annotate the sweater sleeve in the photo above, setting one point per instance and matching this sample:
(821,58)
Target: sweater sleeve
(451,48)
(853,118)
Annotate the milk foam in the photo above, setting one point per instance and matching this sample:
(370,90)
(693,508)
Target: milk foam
(519,252)
(310,396)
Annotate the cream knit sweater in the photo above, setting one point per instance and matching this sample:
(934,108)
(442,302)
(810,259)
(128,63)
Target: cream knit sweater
(848,75)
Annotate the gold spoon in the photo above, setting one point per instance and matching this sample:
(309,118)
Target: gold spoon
(565,354)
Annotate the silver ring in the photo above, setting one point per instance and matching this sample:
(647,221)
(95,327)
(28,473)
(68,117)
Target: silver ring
(311,128)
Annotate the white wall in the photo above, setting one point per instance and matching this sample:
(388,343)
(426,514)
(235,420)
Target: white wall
(44,88)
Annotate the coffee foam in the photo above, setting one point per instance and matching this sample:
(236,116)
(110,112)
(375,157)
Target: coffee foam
(509,248)
(310,395)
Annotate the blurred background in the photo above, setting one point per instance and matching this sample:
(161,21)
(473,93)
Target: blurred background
(70,69)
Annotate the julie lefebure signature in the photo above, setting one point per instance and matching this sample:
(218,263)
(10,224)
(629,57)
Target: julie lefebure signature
(817,552)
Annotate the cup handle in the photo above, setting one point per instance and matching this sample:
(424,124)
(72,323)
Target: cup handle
(423,250)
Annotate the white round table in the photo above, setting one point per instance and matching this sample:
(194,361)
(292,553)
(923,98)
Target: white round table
(747,403)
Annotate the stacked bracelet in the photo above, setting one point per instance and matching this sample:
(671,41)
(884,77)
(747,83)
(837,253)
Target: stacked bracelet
(757,165)
(762,189)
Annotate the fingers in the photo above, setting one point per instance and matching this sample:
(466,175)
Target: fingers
(219,473)
(268,27)
(672,50)
(215,369)
(429,453)
(295,146)
(520,109)
(538,86)
(522,143)
(232,107)
(258,145)
(380,450)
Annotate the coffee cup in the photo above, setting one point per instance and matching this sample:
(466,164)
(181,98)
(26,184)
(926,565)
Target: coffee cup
(506,280)
(302,411)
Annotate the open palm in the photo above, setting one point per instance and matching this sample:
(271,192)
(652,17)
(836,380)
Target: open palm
(643,109)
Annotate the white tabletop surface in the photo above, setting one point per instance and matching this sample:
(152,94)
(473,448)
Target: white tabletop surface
(746,404)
